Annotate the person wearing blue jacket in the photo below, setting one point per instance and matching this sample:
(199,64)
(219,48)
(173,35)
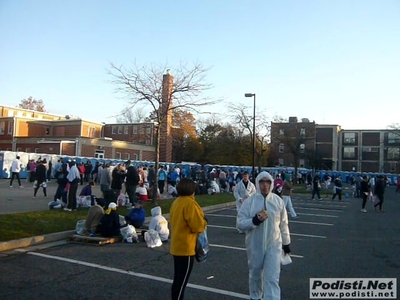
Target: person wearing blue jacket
(137,215)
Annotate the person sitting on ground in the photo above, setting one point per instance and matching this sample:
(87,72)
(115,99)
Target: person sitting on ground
(87,191)
(142,192)
(109,223)
(93,218)
(137,215)
(159,223)
(172,191)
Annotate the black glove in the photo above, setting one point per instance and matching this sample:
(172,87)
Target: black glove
(286,249)
(256,221)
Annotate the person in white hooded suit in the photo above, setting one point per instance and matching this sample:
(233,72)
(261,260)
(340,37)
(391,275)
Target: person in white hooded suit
(264,218)
(159,223)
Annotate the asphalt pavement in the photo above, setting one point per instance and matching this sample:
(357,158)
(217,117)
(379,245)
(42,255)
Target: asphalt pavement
(331,239)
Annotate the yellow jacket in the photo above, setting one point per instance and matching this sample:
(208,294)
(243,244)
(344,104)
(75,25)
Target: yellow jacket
(186,220)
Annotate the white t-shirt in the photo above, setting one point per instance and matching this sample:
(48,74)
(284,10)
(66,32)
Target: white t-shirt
(15,166)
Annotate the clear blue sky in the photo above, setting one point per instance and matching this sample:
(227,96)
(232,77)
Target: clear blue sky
(334,62)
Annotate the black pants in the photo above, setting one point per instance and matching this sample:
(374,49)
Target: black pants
(15,174)
(61,193)
(380,197)
(339,193)
(131,191)
(38,185)
(315,191)
(161,184)
(73,187)
(183,266)
(364,198)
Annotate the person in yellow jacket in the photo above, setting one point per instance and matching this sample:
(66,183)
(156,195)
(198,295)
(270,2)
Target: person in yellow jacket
(187,221)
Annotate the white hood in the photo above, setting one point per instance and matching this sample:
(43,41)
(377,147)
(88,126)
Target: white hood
(156,211)
(261,176)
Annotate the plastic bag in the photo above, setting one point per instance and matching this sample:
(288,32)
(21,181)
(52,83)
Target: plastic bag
(129,234)
(81,227)
(285,259)
(152,238)
(122,221)
(121,200)
(202,247)
(83,201)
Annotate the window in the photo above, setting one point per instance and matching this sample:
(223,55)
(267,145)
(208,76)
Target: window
(393,138)
(99,153)
(134,129)
(281,148)
(11,113)
(114,129)
(302,148)
(2,127)
(10,127)
(350,138)
(148,130)
(47,131)
(393,153)
(281,132)
(118,155)
(302,132)
(36,150)
(126,129)
(301,162)
(127,156)
(135,157)
(120,129)
(281,162)
(349,152)
(393,167)
(370,149)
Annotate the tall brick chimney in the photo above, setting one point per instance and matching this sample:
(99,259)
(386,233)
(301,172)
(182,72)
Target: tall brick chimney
(165,133)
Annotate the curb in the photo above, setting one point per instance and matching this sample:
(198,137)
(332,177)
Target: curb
(52,237)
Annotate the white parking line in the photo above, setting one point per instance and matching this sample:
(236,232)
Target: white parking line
(141,275)
(317,215)
(244,249)
(324,209)
(309,235)
(311,223)
(216,215)
(321,203)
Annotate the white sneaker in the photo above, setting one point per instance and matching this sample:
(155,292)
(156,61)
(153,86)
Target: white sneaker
(67,209)
(364,210)
(21,187)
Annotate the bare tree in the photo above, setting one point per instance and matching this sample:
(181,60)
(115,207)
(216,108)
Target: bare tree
(137,115)
(32,104)
(144,84)
(262,129)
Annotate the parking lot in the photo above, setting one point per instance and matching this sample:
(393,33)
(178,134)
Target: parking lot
(331,239)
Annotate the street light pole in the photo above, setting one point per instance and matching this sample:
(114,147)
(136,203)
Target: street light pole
(254,132)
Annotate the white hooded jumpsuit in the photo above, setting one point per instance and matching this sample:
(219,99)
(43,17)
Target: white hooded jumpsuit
(159,223)
(264,242)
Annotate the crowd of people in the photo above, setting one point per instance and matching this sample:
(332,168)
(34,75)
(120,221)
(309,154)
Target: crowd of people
(262,203)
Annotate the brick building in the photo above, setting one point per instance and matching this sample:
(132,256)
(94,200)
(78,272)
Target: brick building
(31,131)
(330,147)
